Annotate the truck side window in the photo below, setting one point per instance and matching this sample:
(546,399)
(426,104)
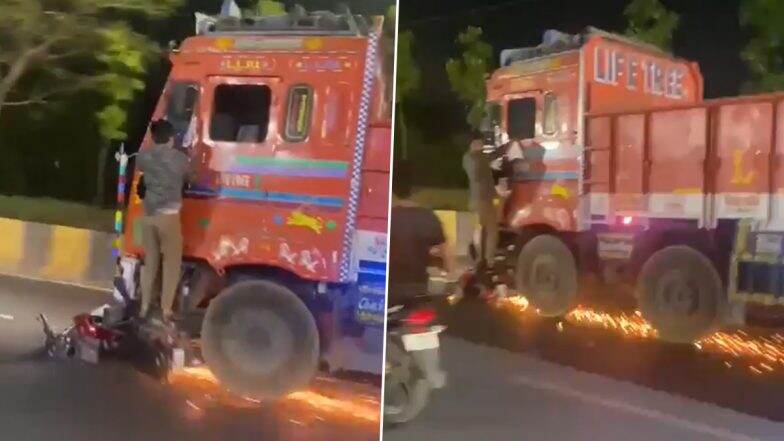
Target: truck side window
(521,118)
(550,125)
(241,113)
(493,112)
(299,114)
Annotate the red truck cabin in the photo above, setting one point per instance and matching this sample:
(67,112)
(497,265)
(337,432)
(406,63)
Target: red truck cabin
(274,123)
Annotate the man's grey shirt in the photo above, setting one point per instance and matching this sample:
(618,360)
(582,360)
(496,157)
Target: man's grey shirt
(165,172)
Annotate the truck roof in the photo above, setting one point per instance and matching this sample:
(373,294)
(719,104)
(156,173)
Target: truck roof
(554,42)
(297,22)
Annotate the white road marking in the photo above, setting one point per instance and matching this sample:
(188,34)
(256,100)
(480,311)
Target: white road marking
(622,406)
(6,317)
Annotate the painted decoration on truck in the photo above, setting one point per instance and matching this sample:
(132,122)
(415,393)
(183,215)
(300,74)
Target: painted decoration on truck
(635,71)
(371,284)
(370,249)
(290,167)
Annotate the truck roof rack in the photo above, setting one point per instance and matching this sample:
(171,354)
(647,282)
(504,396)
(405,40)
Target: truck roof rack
(555,42)
(298,21)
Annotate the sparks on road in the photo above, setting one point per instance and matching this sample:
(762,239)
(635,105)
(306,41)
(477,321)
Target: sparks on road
(765,354)
(201,384)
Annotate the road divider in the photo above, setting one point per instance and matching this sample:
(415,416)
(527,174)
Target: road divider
(56,253)
(73,255)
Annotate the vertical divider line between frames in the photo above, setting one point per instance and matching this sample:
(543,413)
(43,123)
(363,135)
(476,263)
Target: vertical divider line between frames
(389,222)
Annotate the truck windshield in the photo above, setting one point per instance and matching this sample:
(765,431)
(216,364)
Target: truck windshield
(241,113)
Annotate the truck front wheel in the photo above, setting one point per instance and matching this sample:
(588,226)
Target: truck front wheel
(260,340)
(680,293)
(546,274)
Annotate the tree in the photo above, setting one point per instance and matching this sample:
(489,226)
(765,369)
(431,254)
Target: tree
(125,57)
(407,82)
(48,47)
(467,74)
(764,53)
(651,22)
(52,49)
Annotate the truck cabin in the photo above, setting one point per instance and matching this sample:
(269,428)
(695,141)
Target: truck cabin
(540,92)
(287,123)
(540,97)
(269,109)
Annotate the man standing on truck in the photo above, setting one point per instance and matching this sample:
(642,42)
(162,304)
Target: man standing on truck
(414,232)
(165,171)
(482,201)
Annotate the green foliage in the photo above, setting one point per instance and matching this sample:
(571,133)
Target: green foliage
(651,22)
(53,49)
(70,70)
(407,81)
(467,74)
(54,212)
(125,56)
(391,15)
(764,53)
(408,73)
(265,8)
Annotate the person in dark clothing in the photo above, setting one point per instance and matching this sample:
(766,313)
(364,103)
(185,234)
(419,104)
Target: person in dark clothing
(483,201)
(414,232)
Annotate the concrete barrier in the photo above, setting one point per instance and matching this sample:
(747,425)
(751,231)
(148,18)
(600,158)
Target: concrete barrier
(56,253)
(73,255)
(459,229)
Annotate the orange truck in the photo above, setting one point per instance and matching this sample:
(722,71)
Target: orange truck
(287,121)
(620,167)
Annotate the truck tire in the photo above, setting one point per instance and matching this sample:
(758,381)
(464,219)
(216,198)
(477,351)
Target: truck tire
(680,293)
(260,340)
(546,274)
(406,391)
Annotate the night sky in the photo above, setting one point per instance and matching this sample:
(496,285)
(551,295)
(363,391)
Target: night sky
(710,35)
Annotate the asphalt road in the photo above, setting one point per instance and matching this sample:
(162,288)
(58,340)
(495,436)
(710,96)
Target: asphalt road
(513,375)
(42,399)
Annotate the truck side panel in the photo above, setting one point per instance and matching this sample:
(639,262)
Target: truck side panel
(742,149)
(713,161)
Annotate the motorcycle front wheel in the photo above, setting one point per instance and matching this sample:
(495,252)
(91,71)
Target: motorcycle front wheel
(406,392)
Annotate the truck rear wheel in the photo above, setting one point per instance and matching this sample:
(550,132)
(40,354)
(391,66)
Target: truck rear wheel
(680,291)
(260,340)
(546,274)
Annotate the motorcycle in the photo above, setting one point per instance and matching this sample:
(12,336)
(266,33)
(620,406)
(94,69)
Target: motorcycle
(413,365)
